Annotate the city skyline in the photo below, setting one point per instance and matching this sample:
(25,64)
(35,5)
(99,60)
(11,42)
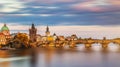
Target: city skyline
(96,32)
(34,39)
(99,16)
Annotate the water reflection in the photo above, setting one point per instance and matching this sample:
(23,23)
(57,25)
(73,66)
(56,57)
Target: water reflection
(63,57)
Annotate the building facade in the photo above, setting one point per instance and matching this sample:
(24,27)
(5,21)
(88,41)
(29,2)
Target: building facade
(2,39)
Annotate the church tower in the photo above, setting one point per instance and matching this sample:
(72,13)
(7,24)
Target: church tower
(33,33)
(5,30)
(47,31)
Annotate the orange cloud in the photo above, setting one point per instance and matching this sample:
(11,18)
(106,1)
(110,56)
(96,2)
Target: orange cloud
(114,2)
(97,5)
(90,6)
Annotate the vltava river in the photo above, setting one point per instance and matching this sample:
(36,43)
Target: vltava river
(62,57)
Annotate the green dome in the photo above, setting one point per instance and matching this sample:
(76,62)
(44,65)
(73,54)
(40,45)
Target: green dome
(4,28)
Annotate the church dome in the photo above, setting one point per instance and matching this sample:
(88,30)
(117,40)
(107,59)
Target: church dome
(4,28)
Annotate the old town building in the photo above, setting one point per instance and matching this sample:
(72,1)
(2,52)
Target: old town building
(4,35)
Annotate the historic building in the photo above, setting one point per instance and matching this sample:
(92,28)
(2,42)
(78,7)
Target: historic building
(4,35)
(47,31)
(33,33)
(2,39)
(5,30)
(47,36)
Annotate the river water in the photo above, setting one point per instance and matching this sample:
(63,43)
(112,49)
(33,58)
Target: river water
(62,57)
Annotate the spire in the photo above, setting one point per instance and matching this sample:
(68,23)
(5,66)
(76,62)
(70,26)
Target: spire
(47,29)
(5,25)
(33,26)
(54,34)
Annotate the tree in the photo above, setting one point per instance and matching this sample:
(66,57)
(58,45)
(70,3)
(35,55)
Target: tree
(20,40)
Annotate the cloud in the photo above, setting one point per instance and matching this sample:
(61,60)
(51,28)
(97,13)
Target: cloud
(97,5)
(42,7)
(15,26)
(114,2)
(42,15)
(106,19)
(11,6)
(61,12)
(50,1)
(69,15)
(18,26)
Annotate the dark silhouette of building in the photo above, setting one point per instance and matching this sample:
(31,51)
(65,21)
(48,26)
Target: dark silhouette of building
(47,31)
(33,33)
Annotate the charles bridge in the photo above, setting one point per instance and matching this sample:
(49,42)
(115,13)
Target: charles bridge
(88,42)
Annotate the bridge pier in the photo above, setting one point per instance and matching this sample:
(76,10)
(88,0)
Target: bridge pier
(72,44)
(119,44)
(44,45)
(57,45)
(104,45)
(88,45)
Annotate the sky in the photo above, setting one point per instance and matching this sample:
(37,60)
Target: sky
(60,12)
(69,13)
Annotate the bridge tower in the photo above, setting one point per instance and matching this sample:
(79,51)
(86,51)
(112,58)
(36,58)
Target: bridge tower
(33,33)
(105,43)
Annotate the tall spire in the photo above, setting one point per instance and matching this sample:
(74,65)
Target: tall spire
(47,29)
(33,26)
(33,33)
(5,24)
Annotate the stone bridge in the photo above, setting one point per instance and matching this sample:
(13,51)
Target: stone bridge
(89,42)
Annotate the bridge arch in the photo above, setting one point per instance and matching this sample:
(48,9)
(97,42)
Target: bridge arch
(96,45)
(112,45)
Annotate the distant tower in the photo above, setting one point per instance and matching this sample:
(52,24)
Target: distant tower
(33,33)
(47,31)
